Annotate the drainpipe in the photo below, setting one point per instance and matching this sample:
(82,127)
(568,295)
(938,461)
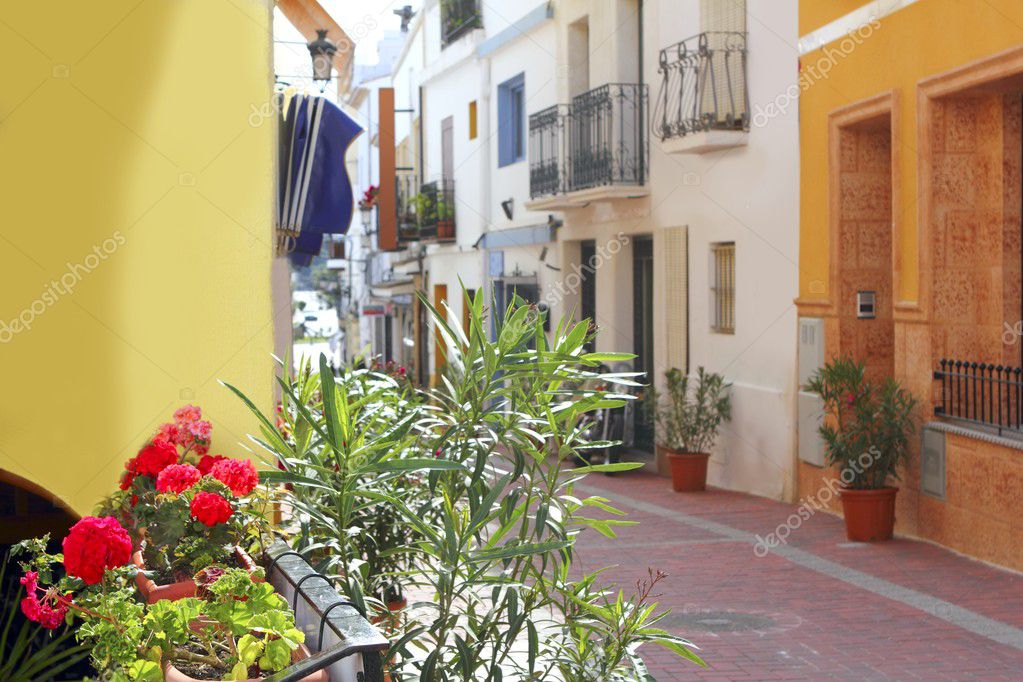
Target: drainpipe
(483,139)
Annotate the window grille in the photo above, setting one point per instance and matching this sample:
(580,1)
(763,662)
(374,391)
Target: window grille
(723,288)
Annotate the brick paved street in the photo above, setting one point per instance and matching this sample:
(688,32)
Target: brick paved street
(819,608)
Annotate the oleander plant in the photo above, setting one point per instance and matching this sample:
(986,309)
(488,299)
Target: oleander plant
(464,497)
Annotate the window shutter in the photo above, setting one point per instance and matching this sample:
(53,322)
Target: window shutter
(723,15)
(677,300)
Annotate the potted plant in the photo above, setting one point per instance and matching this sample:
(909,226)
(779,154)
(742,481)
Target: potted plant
(445,220)
(687,419)
(236,629)
(186,511)
(866,432)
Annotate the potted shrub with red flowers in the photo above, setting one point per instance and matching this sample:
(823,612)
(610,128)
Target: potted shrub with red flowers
(687,419)
(187,509)
(866,433)
(237,628)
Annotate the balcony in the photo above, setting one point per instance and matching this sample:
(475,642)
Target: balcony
(424,212)
(435,207)
(594,149)
(406,186)
(703,103)
(458,17)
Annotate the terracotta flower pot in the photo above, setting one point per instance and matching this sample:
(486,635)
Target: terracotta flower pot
(392,608)
(152,593)
(869,514)
(688,470)
(172,674)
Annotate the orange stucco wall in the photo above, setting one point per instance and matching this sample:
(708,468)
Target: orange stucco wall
(896,55)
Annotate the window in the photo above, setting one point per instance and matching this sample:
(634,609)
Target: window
(511,120)
(472,120)
(722,290)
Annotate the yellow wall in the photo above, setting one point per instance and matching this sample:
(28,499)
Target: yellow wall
(926,38)
(130,124)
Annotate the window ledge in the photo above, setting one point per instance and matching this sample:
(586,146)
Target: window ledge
(584,197)
(705,142)
(976,433)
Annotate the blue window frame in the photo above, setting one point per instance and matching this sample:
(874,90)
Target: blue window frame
(511,120)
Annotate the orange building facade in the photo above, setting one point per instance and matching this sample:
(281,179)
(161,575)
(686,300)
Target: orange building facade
(910,119)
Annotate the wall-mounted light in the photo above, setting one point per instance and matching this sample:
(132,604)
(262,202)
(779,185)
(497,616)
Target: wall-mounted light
(322,51)
(366,213)
(508,206)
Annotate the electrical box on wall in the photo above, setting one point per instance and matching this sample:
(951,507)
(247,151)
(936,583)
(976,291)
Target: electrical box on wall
(866,305)
(809,406)
(932,462)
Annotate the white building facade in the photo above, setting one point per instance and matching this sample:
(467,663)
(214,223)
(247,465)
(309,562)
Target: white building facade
(601,158)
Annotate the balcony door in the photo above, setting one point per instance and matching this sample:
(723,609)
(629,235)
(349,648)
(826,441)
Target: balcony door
(643,329)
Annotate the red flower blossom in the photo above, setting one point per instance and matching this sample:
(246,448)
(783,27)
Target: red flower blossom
(154,458)
(167,433)
(210,509)
(207,462)
(177,478)
(188,413)
(237,474)
(48,611)
(127,478)
(93,545)
(192,432)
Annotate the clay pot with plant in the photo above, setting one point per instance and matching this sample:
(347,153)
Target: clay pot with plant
(688,416)
(866,433)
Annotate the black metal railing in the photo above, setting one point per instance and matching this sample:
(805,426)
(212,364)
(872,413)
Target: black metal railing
(458,17)
(980,393)
(435,208)
(335,629)
(406,187)
(600,139)
(548,151)
(703,85)
(608,141)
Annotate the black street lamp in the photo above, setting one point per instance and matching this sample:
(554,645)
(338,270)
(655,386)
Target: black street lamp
(322,51)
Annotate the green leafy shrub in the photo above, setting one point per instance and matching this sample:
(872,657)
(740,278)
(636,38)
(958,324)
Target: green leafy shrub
(478,472)
(867,425)
(687,416)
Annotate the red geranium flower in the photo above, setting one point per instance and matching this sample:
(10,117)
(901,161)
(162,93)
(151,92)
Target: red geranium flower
(177,478)
(154,458)
(210,509)
(93,545)
(167,432)
(207,462)
(48,611)
(237,474)
(191,431)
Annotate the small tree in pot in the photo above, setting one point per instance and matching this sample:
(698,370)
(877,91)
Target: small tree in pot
(866,432)
(687,419)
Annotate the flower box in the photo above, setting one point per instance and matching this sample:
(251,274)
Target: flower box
(152,593)
(172,674)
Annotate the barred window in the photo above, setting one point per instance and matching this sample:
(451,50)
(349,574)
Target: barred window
(722,290)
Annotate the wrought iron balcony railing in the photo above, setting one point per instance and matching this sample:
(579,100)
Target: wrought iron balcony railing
(600,139)
(703,86)
(406,186)
(435,208)
(458,17)
(548,151)
(980,393)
